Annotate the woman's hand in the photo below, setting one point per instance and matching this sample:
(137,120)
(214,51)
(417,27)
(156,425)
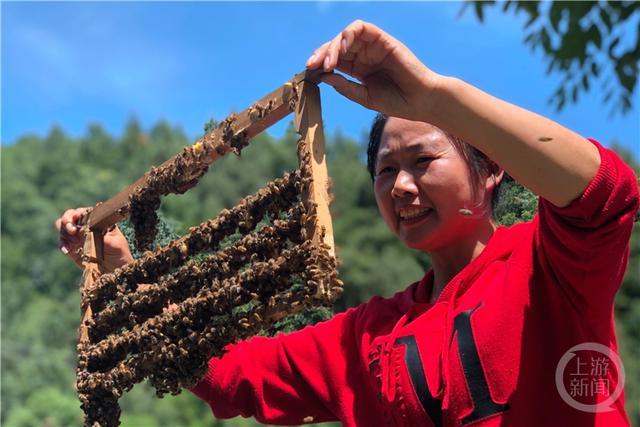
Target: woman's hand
(394,81)
(116,248)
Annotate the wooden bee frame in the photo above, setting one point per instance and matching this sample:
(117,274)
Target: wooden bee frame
(103,378)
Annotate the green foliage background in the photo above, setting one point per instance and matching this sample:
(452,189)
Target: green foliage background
(583,42)
(40,300)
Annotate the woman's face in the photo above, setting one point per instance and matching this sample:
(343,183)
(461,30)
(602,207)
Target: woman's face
(421,184)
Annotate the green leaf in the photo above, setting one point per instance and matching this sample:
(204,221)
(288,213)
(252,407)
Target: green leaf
(532,19)
(626,8)
(605,18)
(462,9)
(612,47)
(532,39)
(607,96)
(555,15)
(532,8)
(562,99)
(585,82)
(595,36)
(567,34)
(545,40)
(479,8)
(626,102)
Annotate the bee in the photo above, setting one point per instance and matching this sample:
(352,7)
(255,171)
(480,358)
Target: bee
(256,112)
(198,147)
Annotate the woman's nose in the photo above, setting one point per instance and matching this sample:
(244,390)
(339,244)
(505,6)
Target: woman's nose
(404,185)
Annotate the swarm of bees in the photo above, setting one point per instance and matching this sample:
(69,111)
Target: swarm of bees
(176,177)
(164,315)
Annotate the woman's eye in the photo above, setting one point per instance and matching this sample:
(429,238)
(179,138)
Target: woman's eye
(385,170)
(424,159)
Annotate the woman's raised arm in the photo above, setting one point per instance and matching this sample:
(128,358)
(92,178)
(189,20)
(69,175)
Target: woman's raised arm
(549,159)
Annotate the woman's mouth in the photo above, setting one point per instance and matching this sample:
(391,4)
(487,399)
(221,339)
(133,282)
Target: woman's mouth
(413,216)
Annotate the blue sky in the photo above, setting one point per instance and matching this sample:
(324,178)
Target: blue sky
(73,64)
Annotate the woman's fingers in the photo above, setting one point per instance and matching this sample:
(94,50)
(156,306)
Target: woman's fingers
(352,90)
(345,45)
(318,56)
(66,247)
(71,239)
(361,38)
(116,248)
(72,243)
(63,247)
(357,46)
(353,50)
(349,43)
(67,223)
(347,40)
(72,215)
(61,224)
(392,77)
(364,31)
(333,54)
(71,249)
(351,36)
(353,68)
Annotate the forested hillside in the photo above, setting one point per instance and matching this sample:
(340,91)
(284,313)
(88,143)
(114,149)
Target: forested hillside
(40,300)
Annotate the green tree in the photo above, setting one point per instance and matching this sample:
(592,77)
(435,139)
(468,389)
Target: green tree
(628,307)
(583,41)
(48,406)
(517,204)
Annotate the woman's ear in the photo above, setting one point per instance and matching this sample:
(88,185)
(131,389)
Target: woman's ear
(495,178)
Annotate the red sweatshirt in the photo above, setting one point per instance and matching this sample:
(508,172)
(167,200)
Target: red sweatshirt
(485,354)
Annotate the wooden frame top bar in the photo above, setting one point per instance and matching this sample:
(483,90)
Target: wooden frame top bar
(248,123)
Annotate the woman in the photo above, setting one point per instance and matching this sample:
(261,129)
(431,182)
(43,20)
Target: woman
(478,339)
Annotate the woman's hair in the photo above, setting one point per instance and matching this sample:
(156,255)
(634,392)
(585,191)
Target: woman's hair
(478,163)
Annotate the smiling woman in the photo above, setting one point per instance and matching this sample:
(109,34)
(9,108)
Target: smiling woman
(478,340)
(470,342)
(479,165)
(409,161)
